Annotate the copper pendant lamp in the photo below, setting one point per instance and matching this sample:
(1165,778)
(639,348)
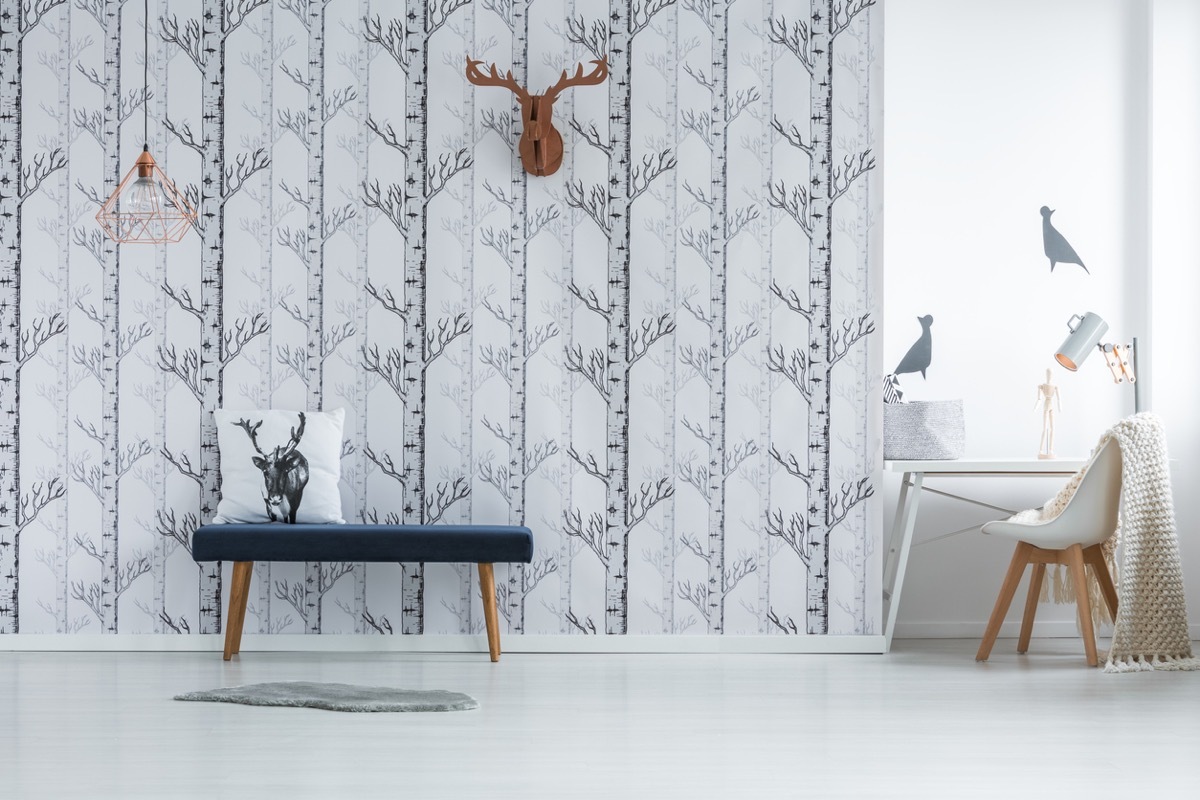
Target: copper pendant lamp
(146,207)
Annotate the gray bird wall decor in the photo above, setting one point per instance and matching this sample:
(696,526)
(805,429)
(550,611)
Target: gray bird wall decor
(1056,246)
(917,359)
(921,353)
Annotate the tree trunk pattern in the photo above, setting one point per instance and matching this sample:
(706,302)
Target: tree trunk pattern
(315,256)
(212,290)
(566,316)
(718,298)
(19,181)
(164,546)
(362,152)
(518,336)
(204,41)
(865,301)
(466,385)
(266,241)
(110,342)
(821,299)
(65,65)
(827,182)
(616,495)
(416,199)
(671,288)
(10,317)
(315,231)
(766,305)
(609,368)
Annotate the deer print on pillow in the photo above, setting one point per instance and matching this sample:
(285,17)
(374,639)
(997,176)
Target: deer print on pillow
(284,471)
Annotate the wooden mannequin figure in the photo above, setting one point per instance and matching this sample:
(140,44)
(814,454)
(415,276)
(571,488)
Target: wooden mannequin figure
(1048,396)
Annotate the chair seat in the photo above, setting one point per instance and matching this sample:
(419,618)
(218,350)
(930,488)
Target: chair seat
(1089,517)
(1046,535)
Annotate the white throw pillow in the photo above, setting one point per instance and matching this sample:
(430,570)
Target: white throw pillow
(280,466)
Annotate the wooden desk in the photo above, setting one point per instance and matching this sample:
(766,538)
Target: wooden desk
(913,484)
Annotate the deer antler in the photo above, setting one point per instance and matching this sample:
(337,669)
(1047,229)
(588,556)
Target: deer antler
(295,440)
(479,78)
(597,75)
(252,432)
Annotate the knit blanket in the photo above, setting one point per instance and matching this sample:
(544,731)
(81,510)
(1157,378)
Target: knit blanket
(1151,629)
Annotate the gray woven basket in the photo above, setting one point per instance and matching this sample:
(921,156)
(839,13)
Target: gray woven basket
(923,431)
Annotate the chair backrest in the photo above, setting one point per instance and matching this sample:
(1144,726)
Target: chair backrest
(1091,515)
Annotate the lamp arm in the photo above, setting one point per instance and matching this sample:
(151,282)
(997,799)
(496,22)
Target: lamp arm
(1122,362)
(1137,386)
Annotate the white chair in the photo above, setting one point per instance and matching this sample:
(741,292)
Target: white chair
(1073,538)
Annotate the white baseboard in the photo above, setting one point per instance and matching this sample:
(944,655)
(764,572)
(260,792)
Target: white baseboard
(443,643)
(1057,629)
(528,643)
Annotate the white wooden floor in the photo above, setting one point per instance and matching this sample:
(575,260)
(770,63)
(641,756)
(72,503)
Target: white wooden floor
(925,721)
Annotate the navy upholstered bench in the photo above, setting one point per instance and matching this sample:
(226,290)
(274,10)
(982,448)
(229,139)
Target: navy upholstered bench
(243,544)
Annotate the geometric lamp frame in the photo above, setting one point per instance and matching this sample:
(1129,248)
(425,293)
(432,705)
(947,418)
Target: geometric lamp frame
(166,220)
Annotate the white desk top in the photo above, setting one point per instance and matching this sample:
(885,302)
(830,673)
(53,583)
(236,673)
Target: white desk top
(991,466)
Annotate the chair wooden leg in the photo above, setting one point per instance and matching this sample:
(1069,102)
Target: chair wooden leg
(1031,604)
(1007,590)
(238,594)
(487,588)
(1095,556)
(247,575)
(1079,578)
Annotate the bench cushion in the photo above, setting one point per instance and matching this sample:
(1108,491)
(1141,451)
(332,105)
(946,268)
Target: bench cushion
(300,542)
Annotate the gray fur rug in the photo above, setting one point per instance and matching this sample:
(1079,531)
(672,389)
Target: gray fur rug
(336,697)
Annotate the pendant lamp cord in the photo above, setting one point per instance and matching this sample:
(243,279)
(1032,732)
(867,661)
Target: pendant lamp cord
(146,77)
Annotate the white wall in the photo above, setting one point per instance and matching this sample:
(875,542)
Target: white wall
(1176,261)
(993,109)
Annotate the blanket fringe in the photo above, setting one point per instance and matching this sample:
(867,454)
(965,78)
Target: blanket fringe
(1154,664)
(1064,592)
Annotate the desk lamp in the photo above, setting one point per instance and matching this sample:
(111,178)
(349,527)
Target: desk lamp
(1086,332)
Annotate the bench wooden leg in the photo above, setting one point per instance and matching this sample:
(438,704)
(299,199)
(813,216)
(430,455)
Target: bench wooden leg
(247,576)
(487,587)
(239,593)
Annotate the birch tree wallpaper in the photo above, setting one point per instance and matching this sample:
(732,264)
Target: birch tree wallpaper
(662,358)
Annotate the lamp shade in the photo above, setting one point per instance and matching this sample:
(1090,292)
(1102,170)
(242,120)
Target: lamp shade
(146,207)
(1086,331)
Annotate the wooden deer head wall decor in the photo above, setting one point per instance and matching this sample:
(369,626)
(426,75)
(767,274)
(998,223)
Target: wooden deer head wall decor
(541,145)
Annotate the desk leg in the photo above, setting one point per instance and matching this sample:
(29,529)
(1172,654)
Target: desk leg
(893,542)
(898,549)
